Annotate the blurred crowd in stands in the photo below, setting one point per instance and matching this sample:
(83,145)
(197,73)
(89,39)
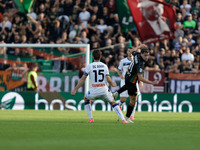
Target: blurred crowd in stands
(96,22)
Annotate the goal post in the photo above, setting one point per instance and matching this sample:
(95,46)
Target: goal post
(86,46)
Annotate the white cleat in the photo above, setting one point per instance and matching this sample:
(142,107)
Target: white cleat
(128,120)
(115,95)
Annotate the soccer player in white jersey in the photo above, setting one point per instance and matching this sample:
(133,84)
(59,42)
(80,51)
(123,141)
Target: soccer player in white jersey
(122,68)
(99,76)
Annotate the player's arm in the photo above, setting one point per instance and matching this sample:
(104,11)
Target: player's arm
(120,74)
(140,85)
(80,83)
(141,78)
(119,70)
(113,84)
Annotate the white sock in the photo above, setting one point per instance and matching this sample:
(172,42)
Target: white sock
(118,112)
(134,110)
(88,109)
(133,113)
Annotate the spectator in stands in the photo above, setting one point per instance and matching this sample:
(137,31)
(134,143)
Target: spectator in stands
(160,54)
(84,38)
(173,56)
(197,30)
(30,53)
(196,8)
(84,16)
(73,33)
(6,24)
(178,32)
(33,14)
(64,37)
(101,26)
(2,49)
(38,28)
(196,67)
(179,18)
(137,42)
(161,64)
(174,68)
(17,38)
(188,67)
(92,25)
(167,58)
(185,7)
(152,53)
(110,4)
(190,40)
(178,45)
(56,31)
(151,66)
(175,4)
(24,39)
(189,24)
(109,49)
(187,55)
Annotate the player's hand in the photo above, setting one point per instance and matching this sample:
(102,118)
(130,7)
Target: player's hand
(114,84)
(122,77)
(73,92)
(155,82)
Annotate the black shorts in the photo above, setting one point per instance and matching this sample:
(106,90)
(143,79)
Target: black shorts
(131,88)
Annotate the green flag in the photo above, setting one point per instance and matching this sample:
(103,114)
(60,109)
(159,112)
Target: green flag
(125,17)
(24,6)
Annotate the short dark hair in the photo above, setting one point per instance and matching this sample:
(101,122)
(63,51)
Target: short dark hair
(144,50)
(96,54)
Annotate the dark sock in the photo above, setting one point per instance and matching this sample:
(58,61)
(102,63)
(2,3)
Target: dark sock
(129,110)
(122,89)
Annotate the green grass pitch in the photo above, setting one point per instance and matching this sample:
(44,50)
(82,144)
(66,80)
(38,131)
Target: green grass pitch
(59,130)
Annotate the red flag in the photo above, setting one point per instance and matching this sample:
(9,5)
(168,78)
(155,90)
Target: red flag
(155,20)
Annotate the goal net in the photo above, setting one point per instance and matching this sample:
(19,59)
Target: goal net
(77,54)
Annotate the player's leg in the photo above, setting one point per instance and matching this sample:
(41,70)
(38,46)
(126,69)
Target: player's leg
(122,89)
(139,87)
(88,109)
(133,113)
(118,111)
(123,97)
(109,97)
(132,91)
(121,102)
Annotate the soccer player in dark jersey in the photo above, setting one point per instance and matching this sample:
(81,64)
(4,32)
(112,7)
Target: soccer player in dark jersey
(135,72)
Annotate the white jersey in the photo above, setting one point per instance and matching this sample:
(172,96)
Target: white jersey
(98,72)
(123,65)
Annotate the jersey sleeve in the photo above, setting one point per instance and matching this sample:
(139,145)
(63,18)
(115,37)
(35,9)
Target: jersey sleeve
(120,66)
(107,71)
(140,67)
(87,70)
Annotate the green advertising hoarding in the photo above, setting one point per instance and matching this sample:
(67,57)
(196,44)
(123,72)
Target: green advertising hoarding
(65,101)
(65,82)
